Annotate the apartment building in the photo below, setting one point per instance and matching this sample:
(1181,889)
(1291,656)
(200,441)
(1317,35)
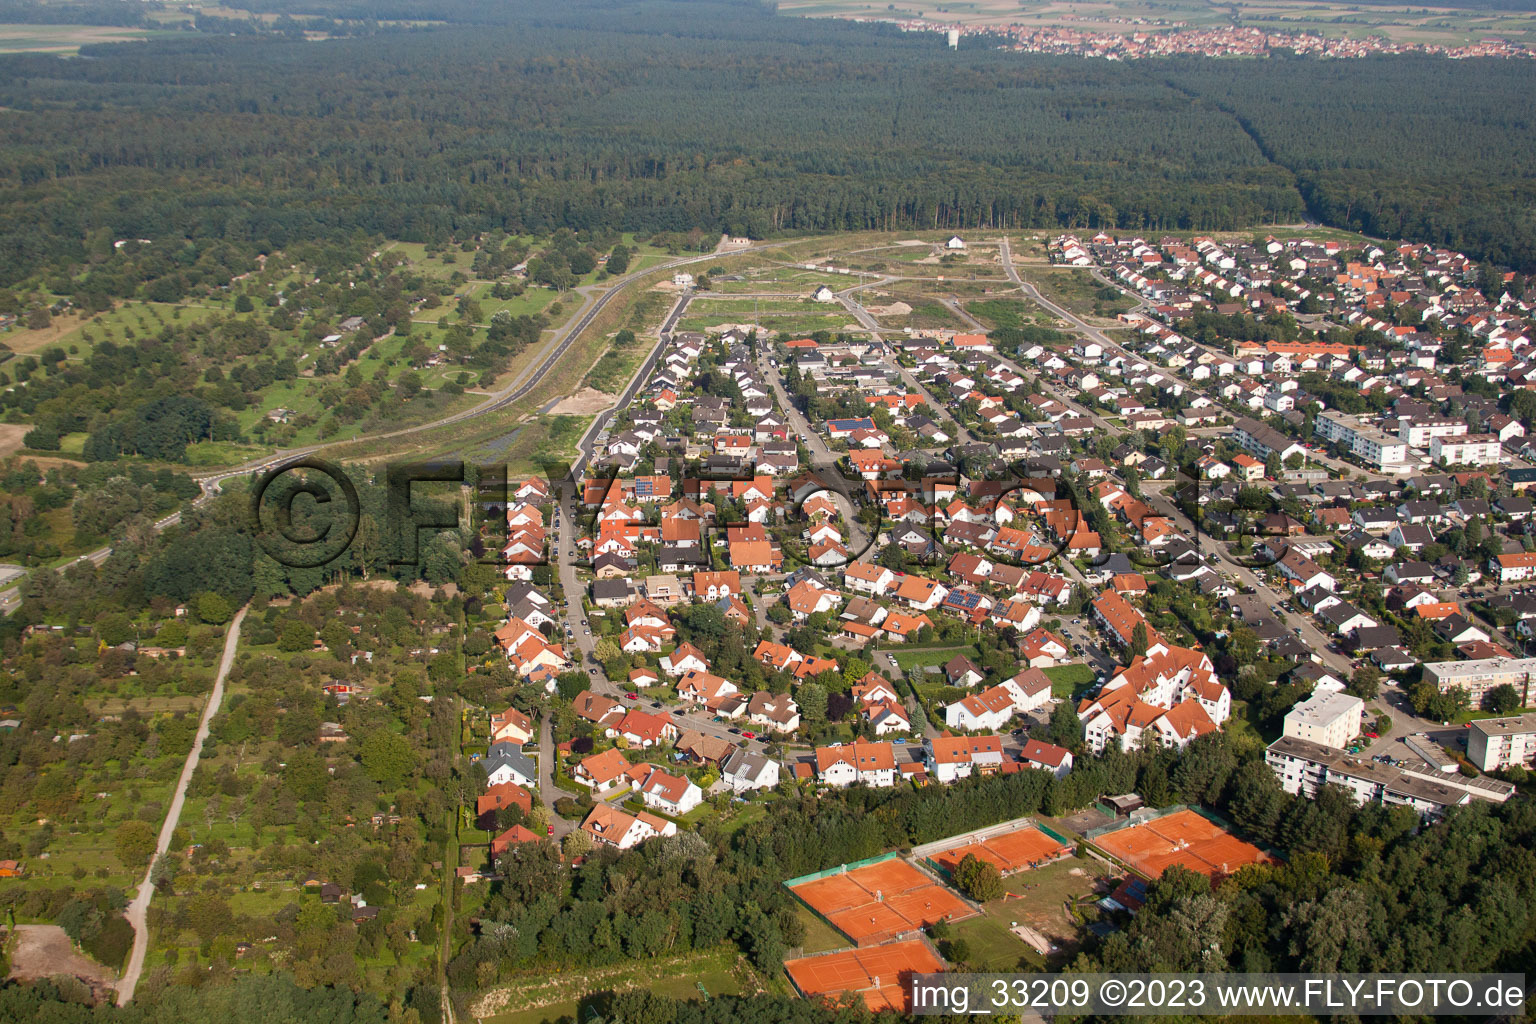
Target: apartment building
(1479,676)
(1373,446)
(1261,439)
(1303,767)
(1468,450)
(1419,433)
(1329,718)
(1494,743)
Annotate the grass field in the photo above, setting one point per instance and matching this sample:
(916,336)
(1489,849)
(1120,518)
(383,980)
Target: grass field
(1000,312)
(550,997)
(786,322)
(819,936)
(908,660)
(783,280)
(1079,291)
(1068,680)
(1042,905)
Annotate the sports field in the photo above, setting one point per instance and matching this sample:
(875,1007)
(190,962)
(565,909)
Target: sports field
(876,902)
(1024,847)
(1182,837)
(876,974)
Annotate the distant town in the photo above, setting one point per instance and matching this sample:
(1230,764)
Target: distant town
(1098,40)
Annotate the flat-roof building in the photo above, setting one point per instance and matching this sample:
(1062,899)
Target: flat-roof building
(1327,717)
(1479,676)
(1303,767)
(1494,743)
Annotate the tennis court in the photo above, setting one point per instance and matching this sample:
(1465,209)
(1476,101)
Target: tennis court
(876,973)
(1182,837)
(876,902)
(1023,848)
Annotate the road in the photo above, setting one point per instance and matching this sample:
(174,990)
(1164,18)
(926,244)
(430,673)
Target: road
(549,763)
(139,908)
(840,490)
(868,321)
(1034,294)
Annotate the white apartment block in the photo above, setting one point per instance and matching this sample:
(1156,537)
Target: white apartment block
(1479,676)
(1331,719)
(1469,450)
(1420,432)
(1303,767)
(1494,743)
(1371,445)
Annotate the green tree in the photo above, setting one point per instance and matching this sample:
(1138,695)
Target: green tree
(387,758)
(1066,729)
(113,628)
(1366,682)
(134,841)
(295,636)
(212,608)
(978,879)
(1502,699)
(812,698)
(1138,646)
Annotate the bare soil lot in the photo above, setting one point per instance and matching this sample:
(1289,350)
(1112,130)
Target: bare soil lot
(44,951)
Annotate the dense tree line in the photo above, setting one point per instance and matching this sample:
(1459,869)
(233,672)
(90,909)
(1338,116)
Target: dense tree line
(275,999)
(724,117)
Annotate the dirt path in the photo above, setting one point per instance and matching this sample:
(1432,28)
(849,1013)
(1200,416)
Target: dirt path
(139,908)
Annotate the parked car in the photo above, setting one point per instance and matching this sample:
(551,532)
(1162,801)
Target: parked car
(631,696)
(749,735)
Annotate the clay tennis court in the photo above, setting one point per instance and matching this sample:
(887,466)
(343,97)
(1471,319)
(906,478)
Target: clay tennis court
(1026,847)
(1182,837)
(875,974)
(876,902)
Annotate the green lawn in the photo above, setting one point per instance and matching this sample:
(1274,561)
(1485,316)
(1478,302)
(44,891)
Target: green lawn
(993,947)
(908,660)
(1066,680)
(819,936)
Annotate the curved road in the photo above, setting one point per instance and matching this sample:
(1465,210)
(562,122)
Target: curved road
(139,908)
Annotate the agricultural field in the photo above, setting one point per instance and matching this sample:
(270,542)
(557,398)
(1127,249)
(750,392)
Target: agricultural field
(65,39)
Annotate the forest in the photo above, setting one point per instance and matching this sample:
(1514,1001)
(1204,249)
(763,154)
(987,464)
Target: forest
(665,116)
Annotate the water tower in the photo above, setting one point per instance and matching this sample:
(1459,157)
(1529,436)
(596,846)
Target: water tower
(954,39)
